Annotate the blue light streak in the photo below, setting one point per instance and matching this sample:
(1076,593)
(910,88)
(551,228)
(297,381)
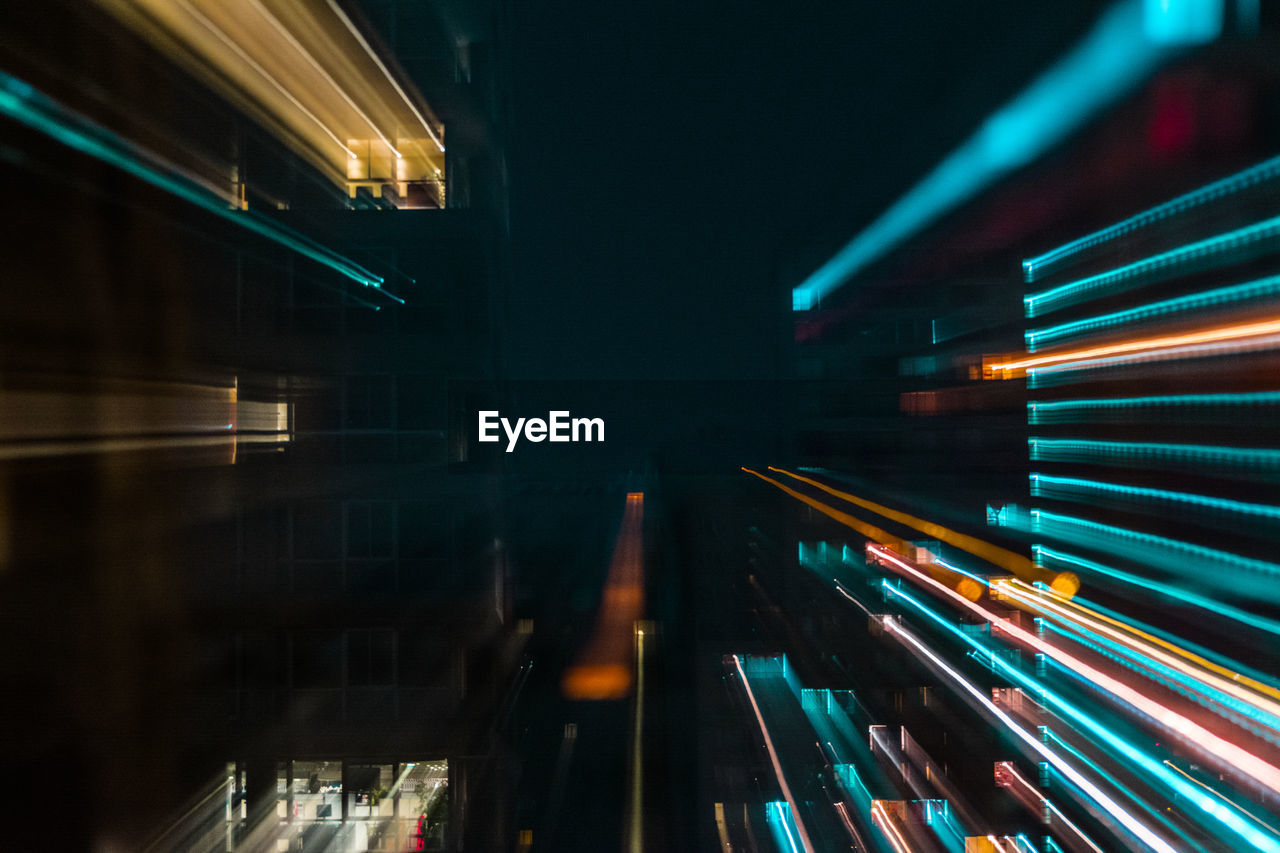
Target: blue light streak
(1079,411)
(1076,489)
(1227,817)
(1050,557)
(1049,735)
(1152,455)
(1197,560)
(21,102)
(1113,58)
(1246,242)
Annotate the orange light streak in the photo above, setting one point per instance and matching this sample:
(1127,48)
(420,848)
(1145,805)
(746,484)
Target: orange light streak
(603,669)
(967,587)
(1018,367)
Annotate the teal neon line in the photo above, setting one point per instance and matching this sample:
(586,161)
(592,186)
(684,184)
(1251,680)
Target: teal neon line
(1037,339)
(1042,265)
(1151,454)
(1059,411)
(1256,236)
(953,567)
(1136,545)
(1212,808)
(1045,556)
(1073,488)
(21,102)
(1048,734)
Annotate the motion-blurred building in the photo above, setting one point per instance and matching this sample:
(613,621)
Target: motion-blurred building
(248,247)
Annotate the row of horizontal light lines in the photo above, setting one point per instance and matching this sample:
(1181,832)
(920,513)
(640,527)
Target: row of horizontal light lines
(1229,318)
(1251,334)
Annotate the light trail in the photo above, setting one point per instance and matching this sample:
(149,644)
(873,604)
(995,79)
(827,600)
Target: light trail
(602,670)
(1115,55)
(24,104)
(1256,334)
(1076,489)
(1195,302)
(1011,772)
(1205,670)
(1211,808)
(1152,455)
(320,69)
(636,835)
(1043,264)
(262,72)
(1221,796)
(1164,590)
(1090,410)
(1256,238)
(1101,798)
(885,823)
(1144,547)
(1230,753)
(786,826)
(368,49)
(773,756)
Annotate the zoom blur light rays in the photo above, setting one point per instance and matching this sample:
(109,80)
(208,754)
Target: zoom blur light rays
(323,72)
(244,56)
(1230,680)
(1208,808)
(1030,790)
(1111,59)
(1241,759)
(1125,818)
(309,76)
(1215,687)
(994,554)
(373,55)
(773,755)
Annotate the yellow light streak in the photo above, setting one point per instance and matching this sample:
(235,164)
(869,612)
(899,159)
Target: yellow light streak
(257,66)
(351,27)
(314,63)
(965,586)
(1066,583)
(1223,678)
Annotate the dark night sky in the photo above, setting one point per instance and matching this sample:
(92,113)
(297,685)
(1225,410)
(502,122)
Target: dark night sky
(667,160)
